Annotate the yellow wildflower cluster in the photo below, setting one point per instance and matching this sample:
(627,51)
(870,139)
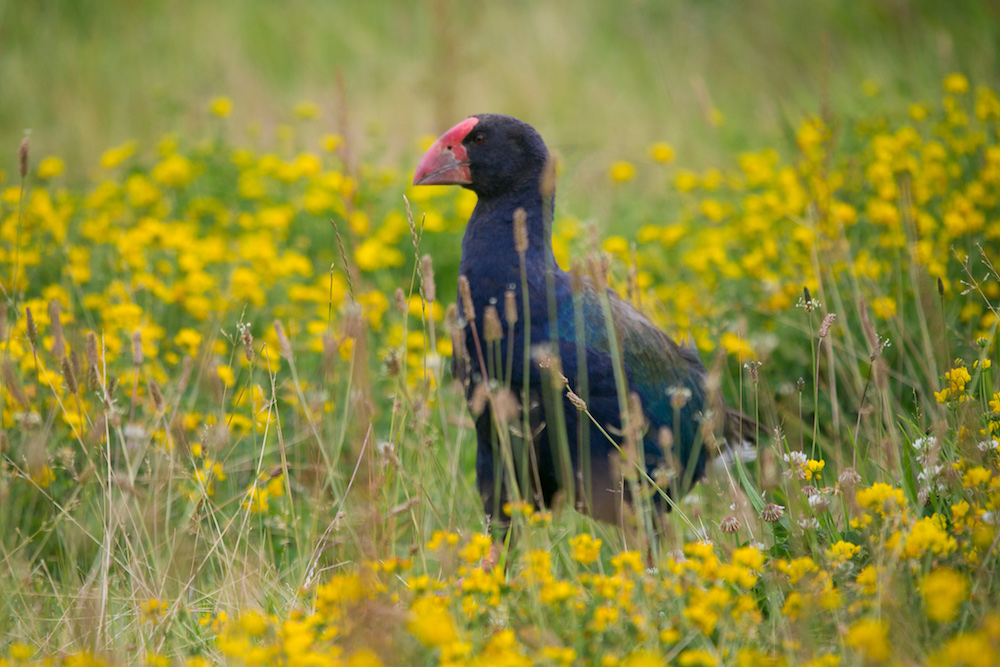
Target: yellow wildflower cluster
(197,401)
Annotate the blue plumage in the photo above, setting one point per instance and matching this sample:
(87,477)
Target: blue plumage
(503,160)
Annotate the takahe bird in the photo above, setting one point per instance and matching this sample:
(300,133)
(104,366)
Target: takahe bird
(506,163)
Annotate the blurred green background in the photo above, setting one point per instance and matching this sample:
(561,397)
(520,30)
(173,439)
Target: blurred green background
(601,80)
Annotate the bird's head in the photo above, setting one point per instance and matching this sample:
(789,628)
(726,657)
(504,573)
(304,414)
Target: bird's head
(490,154)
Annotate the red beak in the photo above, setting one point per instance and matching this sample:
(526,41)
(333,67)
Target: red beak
(445,162)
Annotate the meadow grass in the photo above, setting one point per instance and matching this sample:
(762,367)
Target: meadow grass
(231,435)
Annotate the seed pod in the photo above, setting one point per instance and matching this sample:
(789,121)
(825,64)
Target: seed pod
(284,345)
(547,183)
(30,327)
(92,359)
(510,307)
(772,512)
(13,386)
(427,278)
(69,377)
(520,231)
(247,339)
(824,328)
(401,305)
(137,355)
(465,292)
(93,378)
(492,329)
(940,287)
(22,156)
(154,391)
(729,524)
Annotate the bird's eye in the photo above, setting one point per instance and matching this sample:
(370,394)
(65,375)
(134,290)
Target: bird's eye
(480,138)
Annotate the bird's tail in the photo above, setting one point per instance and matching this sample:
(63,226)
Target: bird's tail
(739,439)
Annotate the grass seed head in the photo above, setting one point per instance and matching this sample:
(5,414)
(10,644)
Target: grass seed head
(137,355)
(427,278)
(401,305)
(13,385)
(68,376)
(284,345)
(92,359)
(824,328)
(506,406)
(22,156)
(465,292)
(154,391)
(520,231)
(492,329)
(247,339)
(30,327)
(510,307)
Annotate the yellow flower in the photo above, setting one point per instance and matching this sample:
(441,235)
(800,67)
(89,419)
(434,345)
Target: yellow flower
(42,475)
(627,560)
(174,171)
(977,476)
(957,378)
(306,110)
(365,657)
(956,84)
(642,659)
(814,468)
(868,579)
(621,171)
(737,346)
(152,609)
(793,605)
(918,112)
(686,181)
(157,660)
(884,307)
(477,548)
(253,623)
(189,339)
(225,373)
(431,623)
(256,500)
(331,142)
(616,245)
(661,152)
(50,167)
(696,657)
(220,106)
(929,535)
(841,552)
(944,590)
(585,549)
(559,654)
(373,255)
(881,497)
(870,638)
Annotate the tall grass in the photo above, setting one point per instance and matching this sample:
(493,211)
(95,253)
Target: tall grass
(227,437)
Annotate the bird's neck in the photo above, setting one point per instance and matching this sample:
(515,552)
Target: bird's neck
(489,253)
